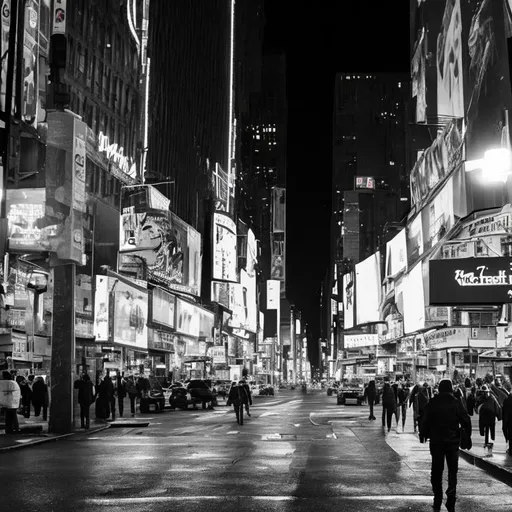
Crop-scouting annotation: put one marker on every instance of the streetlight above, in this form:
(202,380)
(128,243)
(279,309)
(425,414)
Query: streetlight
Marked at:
(496,164)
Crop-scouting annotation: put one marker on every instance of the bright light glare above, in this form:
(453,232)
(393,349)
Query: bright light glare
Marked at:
(497,164)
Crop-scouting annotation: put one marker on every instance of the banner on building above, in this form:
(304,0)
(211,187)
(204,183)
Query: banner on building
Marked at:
(349,300)
(273,294)
(187,318)
(368,289)
(59,17)
(101,308)
(396,254)
(461,337)
(163,307)
(65,190)
(414,234)
(30,63)
(471,281)
(360,340)
(130,314)
(224,248)
(278,264)
(413,300)
(278,210)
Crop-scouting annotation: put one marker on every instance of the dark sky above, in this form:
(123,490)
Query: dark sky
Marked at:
(321,38)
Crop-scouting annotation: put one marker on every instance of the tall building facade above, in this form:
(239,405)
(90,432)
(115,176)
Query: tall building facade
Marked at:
(262,202)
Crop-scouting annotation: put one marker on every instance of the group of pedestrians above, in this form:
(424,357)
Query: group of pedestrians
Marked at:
(240,397)
(19,395)
(442,415)
(108,395)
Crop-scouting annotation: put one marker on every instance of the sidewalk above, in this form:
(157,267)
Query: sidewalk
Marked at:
(407,443)
(34,430)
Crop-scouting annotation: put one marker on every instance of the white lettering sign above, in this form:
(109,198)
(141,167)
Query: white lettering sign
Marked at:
(480,279)
(115,153)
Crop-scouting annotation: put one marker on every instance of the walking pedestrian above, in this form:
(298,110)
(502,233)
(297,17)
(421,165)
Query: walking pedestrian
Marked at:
(370,395)
(247,396)
(10,396)
(420,396)
(86,397)
(40,397)
(236,398)
(402,398)
(105,397)
(131,389)
(388,405)
(507,422)
(121,393)
(488,411)
(26,395)
(441,422)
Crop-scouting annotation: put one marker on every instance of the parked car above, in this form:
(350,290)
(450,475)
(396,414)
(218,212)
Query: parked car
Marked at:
(179,397)
(152,400)
(351,392)
(201,392)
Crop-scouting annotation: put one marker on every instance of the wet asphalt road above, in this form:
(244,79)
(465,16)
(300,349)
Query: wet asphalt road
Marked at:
(296,453)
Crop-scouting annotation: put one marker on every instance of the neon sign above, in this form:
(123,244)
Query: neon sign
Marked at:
(115,153)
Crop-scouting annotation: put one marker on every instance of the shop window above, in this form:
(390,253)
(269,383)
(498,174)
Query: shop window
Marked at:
(506,246)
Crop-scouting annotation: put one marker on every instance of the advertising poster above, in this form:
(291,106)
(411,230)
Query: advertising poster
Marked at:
(278,210)
(252,253)
(30,61)
(273,294)
(68,240)
(79,165)
(418,78)
(437,216)
(224,248)
(396,254)
(170,248)
(218,354)
(101,309)
(414,234)
(163,310)
(360,340)
(248,284)
(470,281)
(25,217)
(187,318)
(277,268)
(59,17)
(4,50)
(368,289)
(206,323)
(348,299)
(437,162)
(488,81)
(450,91)
(413,300)
(130,315)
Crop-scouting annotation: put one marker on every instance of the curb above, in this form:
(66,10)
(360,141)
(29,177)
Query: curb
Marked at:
(52,438)
(498,472)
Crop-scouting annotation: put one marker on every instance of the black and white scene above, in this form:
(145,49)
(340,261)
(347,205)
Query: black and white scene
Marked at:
(255,256)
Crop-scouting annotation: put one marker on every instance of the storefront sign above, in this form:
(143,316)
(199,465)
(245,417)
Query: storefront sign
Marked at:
(471,281)
(360,340)
(161,340)
(461,337)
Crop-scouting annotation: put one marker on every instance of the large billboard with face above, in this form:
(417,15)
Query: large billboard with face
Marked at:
(349,299)
(170,248)
(471,281)
(224,248)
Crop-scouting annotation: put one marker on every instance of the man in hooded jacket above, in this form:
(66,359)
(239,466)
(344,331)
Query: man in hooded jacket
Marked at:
(441,422)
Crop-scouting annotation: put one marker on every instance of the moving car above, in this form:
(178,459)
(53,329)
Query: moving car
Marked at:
(351,391)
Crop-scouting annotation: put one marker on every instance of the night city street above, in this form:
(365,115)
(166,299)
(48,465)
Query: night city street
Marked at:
(296,452)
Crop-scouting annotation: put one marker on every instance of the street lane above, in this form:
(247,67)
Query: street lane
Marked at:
(296,453)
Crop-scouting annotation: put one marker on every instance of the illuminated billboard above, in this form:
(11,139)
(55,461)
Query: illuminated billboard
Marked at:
(364,182)
(224,248)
